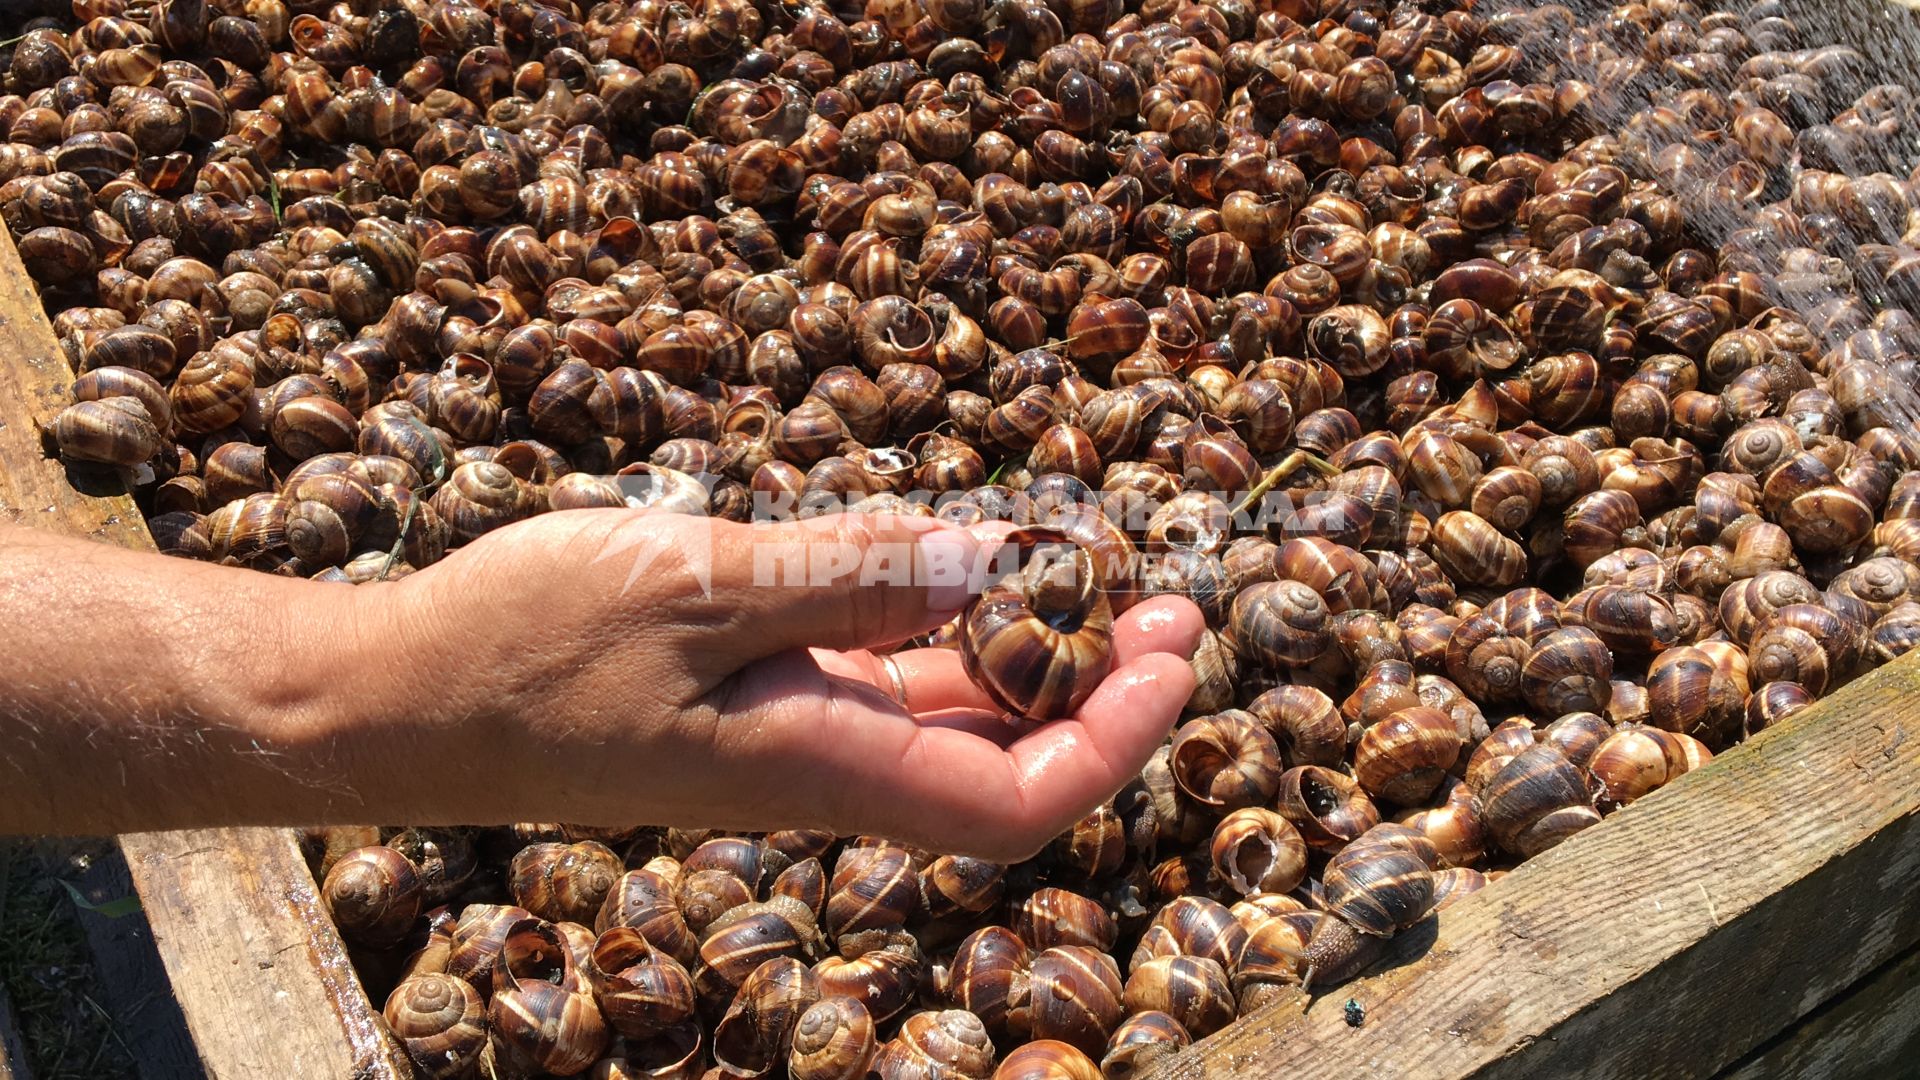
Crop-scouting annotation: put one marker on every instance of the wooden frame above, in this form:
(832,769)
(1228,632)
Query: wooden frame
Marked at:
(1677,937)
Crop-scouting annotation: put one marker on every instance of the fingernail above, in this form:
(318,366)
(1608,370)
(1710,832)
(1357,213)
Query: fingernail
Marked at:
(947,558)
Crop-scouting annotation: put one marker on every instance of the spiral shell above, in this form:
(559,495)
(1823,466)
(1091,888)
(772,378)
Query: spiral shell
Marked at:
(441,1021)
(1039,642)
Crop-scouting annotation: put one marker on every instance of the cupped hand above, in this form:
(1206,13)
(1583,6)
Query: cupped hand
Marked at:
(618,667)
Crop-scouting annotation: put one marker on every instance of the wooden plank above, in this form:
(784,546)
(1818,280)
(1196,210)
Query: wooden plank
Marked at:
(13,1052)
(1871,1030)
(133,985)
(1667,941)
(245,936)
(260,975)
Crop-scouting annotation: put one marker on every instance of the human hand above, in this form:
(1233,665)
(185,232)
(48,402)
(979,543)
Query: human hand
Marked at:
(578,670)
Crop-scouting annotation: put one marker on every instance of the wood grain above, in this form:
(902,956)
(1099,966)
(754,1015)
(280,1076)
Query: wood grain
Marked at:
(1667,941)
(1871,1030)
(13,1052)
(245,936)
(132,982)
(260,975)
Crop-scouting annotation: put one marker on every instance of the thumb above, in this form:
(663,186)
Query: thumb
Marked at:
(843,581)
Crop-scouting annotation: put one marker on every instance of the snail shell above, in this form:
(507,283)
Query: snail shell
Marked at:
(1191,989)
(374,896)
(1227,760)
(1535,801)
(1144,1039)
(757,1031)
(832,1040)
(1074,997)
(1257,851)
(1046,1060)
(1041,640)
(543,1018)
(988,976)
(1378,885)
(951,1043)
(642,991)
(563,882)
(441,1022)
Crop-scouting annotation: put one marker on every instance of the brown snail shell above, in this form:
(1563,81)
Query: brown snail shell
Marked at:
(563,882)
(1404,757)
(1257,851)
(542,1016)
(112,431)
(641,990)
(1191,989)
(988,976)
(1227,760)
(951,1042)
(756,1034)
(1074,997)
(1040,641)
(832,1040)
(374,895)
(441,1021)
(1378,888)
(1328,808)
(1535,801)
(1046,1060)
(1144,1039)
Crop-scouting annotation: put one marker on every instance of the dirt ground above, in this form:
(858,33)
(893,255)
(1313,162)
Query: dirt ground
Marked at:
(46,969)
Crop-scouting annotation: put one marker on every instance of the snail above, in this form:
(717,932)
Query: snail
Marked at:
(1039,641)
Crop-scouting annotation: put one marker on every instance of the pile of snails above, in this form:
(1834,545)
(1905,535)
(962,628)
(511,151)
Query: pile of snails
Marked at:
(1523,398)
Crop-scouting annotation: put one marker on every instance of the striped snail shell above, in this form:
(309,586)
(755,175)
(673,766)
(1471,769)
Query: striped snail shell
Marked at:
(1227,760)
(1329,808)
(441,1021)
(1074,997)
(1569,670)
(1379,885)
(374,896)
(882,968)
(642,991)
(740,941)
(543,1016)
(1636,761)
(988,975)
(1454,882)
(1039,641)
(1404,757)
(1535,801)
(563,882)
(478,936)
(832,1040)
(117,430)
(1191,989)
(872,888)
(1257,851)
(1142,1040)
(1192,926)
(951,1042)
(1046,1060)
(756,1033)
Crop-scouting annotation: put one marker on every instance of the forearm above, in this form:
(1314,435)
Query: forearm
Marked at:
(148,693)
